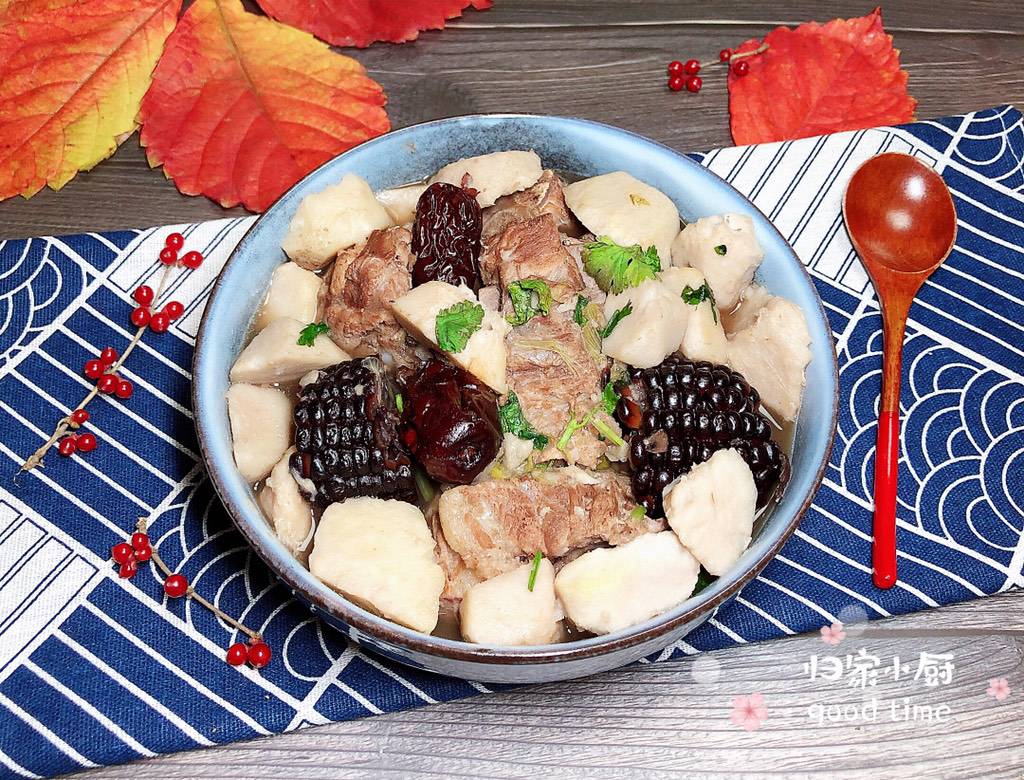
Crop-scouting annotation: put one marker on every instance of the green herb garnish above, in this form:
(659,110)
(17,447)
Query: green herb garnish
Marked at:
(698,296)
(457,323)
(616,268)
(703,580)
(537,557)
(513,421)
(638,514)
(721,249)
(581,304)
(399,402)
(609,398)
(309,333)
(625,311)
(530,297)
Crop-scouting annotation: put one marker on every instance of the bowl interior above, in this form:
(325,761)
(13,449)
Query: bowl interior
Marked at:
(576,147)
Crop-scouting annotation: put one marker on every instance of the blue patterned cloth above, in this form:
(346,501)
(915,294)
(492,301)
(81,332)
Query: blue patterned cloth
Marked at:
(97,670)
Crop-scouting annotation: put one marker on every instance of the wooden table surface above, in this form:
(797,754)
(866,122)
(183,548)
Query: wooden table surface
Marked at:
(605,61)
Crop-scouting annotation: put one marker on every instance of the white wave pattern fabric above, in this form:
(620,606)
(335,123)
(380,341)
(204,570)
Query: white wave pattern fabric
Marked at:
(97,670)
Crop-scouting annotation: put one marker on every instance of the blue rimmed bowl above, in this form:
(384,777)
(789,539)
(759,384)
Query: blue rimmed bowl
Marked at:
(577,148)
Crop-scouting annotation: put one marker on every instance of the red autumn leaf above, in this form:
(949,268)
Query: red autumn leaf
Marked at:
(818,79)
(72,76)
(361,22)
(242,107)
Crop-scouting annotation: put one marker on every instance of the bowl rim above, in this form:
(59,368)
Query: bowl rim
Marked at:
(325,600)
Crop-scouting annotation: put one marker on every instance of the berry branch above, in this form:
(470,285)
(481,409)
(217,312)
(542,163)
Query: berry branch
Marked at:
(684,74)
(105,368)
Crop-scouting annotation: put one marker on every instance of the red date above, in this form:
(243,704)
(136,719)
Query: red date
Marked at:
(450,422)
(446,236)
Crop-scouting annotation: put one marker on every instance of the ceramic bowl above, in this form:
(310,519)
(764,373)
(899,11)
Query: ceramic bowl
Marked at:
(574,147)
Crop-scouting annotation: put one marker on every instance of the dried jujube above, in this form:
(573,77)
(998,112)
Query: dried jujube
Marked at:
(446,236)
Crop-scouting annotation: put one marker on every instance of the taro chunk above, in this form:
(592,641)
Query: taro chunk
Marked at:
(289,513)
(609,589)
(326,222)
(493,175)
(400,202)
(626,210)
(484,353)
(380,554)
(652,330)
(711,509)
(704,336)
(261,428)
(772,354)
(504,611)
(294,292)
(725,250)
(275,354)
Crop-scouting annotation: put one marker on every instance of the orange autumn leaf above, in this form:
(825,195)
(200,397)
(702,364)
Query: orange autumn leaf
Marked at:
(361,22)
(818,79)
(72,76)
(242,107)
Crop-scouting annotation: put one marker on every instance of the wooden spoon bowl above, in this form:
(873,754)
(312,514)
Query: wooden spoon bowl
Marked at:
(902,222)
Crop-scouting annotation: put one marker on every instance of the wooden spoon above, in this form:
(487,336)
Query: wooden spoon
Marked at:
(902,223)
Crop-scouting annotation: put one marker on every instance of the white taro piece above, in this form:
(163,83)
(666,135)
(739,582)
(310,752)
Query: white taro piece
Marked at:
(275,355)
(380,554)
(290,515)
(261,428)
(711,509)
(626,210)
(504,611)
(609,589)
(337,217)
(493,175)
(652,330)
(725,249)
(294,292)
(704,336)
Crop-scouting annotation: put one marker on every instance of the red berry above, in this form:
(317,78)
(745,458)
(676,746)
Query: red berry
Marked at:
(259,654)
(140,540)
(68,445)
(675,68)
(238,654)
(691,68)
(174,310)
(93,369)
(724,55)
(676,83)
(176,586)
(108,356)
(175,241)
(143,554)
(168,256)
(79,416)
(143,294)
(192,260)
(159,322)
(86,442)
(122,553)
(124,389)
(140,317)
(108,383)
(741,68)
(694,83)
(128,569)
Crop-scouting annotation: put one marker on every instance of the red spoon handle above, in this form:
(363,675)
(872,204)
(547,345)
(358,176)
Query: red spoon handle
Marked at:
(887,459)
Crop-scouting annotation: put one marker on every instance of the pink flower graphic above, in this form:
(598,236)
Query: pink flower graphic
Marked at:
(749,712)
(833,634)
(998,689)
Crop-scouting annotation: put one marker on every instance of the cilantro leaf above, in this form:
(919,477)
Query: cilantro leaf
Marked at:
(537,558)
(616,268)
(581,304)
(609,398)
(625,311)
(514,421)
(309,333)
(638,513)
(457,323)
(698,296)
(522,295)
(721,249)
